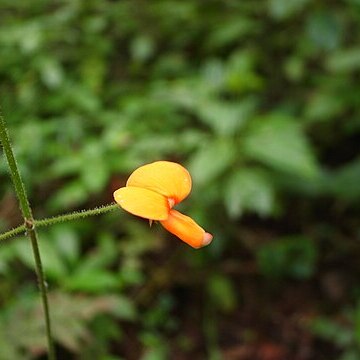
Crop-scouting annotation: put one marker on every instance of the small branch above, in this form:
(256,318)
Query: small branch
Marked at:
(60,218)
(76,215)
(13,232)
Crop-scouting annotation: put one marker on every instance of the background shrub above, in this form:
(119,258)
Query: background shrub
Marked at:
(259,99)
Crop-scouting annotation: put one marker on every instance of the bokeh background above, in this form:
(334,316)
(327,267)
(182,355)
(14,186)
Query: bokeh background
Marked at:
(260,101)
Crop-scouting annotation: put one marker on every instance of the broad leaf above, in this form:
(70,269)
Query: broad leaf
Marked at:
(280,143)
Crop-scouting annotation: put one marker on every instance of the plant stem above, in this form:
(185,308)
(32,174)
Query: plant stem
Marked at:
(14,172)
(43,290)
(60,218)
(30,227)
(75,215)
(15,231)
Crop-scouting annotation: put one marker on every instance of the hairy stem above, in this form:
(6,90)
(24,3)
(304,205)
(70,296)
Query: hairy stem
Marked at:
(13,232)
(76,215)
(30,229)
(60,218)
(43,289)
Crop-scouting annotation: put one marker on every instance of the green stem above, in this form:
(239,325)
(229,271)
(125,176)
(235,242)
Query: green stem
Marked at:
(43,290)
(60,218)
(30,227)
(14,171)
(75,215)
(15,231)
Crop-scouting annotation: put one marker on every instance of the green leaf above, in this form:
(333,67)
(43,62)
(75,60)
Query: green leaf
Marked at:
(105,253)
(51,72)
(282,9)
(249,189)
(350,354)
(279,142)
(97,281)
(294,68)
(242,74)
(71,194)
(231,31)
(332,331)
(344,61)
(68,164)
(53,264)
(324,106)
(226,118)
(211,160)
(8,348)
(345,181)
(94,171)
(156,348)
(93,70)
(324,30)
(142,48)
(66,241)
(7,254)
(123,308)
(22,329)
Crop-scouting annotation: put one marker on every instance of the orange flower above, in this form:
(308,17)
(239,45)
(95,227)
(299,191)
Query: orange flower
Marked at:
(151,192)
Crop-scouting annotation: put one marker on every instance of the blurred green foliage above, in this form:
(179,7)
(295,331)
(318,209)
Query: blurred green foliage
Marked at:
(259,99)
(294,256)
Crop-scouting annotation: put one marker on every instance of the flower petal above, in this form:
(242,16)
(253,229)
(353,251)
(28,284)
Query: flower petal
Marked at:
(186,229)
(164,177)
(142,202)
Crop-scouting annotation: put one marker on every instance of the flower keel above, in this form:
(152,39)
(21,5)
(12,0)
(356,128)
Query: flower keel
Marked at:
(186,229)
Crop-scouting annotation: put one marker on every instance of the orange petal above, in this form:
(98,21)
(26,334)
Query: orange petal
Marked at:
(185,228)
(164,177)
(142,202)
